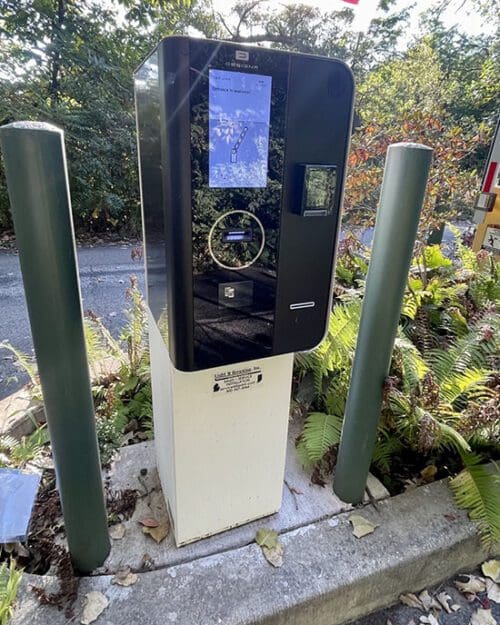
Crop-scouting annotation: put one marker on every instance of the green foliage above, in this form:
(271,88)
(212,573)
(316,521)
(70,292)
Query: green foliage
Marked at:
(28,365)
(123,399)
(409,362)
(71,63)
(485,285)
(477,489)
(474,351)
(126,402)
(426,410)
(440,399)
(410,98)
(10,578)
(29,449)
(335,351)
(386,447)
(321,431)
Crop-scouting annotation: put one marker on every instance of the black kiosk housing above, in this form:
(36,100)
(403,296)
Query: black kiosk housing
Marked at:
(242,155)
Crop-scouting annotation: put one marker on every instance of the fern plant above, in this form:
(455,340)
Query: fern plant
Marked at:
(441,400)
(321,432)
(427,410)
(128,398)
(335,352)
(30,448)
(28,365)
(124,397)
(477,489)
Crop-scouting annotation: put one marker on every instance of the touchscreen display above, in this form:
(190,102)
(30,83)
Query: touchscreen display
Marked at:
(239,108)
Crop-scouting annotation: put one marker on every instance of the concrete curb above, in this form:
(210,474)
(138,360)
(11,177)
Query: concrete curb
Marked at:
(19,413)
(328,576)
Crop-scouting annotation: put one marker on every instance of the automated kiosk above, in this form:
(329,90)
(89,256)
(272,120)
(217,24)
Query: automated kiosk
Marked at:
(242,155)
(487,208)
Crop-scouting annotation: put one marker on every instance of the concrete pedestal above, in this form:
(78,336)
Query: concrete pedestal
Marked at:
(220,438)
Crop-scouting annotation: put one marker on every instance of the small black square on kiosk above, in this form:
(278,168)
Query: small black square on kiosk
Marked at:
(318,190)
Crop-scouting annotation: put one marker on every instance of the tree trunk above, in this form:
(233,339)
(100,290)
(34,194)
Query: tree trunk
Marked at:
(55,61)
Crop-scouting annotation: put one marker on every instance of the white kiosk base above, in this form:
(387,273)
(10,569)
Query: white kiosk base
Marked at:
(220,437)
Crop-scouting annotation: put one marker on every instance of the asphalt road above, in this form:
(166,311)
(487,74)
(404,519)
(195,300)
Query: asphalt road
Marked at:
(400,614)
(104,277)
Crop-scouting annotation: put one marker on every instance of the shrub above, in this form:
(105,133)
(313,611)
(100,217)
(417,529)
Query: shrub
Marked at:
(441,398)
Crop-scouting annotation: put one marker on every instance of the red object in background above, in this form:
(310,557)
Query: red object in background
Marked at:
(352,1)
(489,176)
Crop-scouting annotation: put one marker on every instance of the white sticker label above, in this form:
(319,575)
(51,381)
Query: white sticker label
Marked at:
(491,240)
(237,379)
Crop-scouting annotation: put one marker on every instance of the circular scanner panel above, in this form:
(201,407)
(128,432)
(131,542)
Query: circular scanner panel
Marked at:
(236,240)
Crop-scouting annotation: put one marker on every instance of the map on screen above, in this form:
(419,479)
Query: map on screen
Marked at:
(239,108)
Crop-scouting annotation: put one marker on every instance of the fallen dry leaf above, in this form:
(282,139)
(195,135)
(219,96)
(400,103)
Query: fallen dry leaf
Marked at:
(158,532)
(483,617)
(93,606)
(124,577)
(444,599)
(428,602)
(411,484)
(429,473)
(429,619)
(266,538)
(493,590)
(473,585)
(148,564)
(274,555)
(117,532)
(149,522)
(361,526)
(411,600)
(491,569)
(455,607)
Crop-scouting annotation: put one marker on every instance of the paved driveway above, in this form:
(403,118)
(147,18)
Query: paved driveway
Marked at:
(104,276)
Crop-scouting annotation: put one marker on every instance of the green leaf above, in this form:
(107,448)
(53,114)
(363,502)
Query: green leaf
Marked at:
(321,432)
(477,490)
(10,578)
(434,258)
(266,538)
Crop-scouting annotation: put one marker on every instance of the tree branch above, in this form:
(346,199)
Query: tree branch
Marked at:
(245,13)
(265,37)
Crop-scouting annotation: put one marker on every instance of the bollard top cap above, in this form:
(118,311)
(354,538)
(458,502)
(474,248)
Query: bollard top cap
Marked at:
(410,146)
(30,125)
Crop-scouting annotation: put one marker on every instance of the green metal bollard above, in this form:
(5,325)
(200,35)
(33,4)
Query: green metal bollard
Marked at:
(35,167)
(403,189)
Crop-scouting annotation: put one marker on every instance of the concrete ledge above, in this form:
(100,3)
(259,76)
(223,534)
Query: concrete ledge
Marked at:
(19,414)
(328,576)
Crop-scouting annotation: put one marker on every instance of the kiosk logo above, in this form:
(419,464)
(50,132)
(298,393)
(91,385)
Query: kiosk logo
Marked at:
(242,55)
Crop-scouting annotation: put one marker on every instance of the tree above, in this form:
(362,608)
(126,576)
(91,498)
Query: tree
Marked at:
(71,63)
(409,99)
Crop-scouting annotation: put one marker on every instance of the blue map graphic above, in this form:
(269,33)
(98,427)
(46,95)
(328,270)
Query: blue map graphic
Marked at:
(239,109)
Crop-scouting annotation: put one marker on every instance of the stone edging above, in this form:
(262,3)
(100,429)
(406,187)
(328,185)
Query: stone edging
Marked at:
(328,576)
(19,414)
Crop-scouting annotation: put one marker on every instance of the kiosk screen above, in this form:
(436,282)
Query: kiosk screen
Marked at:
(239,108)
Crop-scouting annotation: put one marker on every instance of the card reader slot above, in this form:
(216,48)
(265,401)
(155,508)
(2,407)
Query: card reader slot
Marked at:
(237,235)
